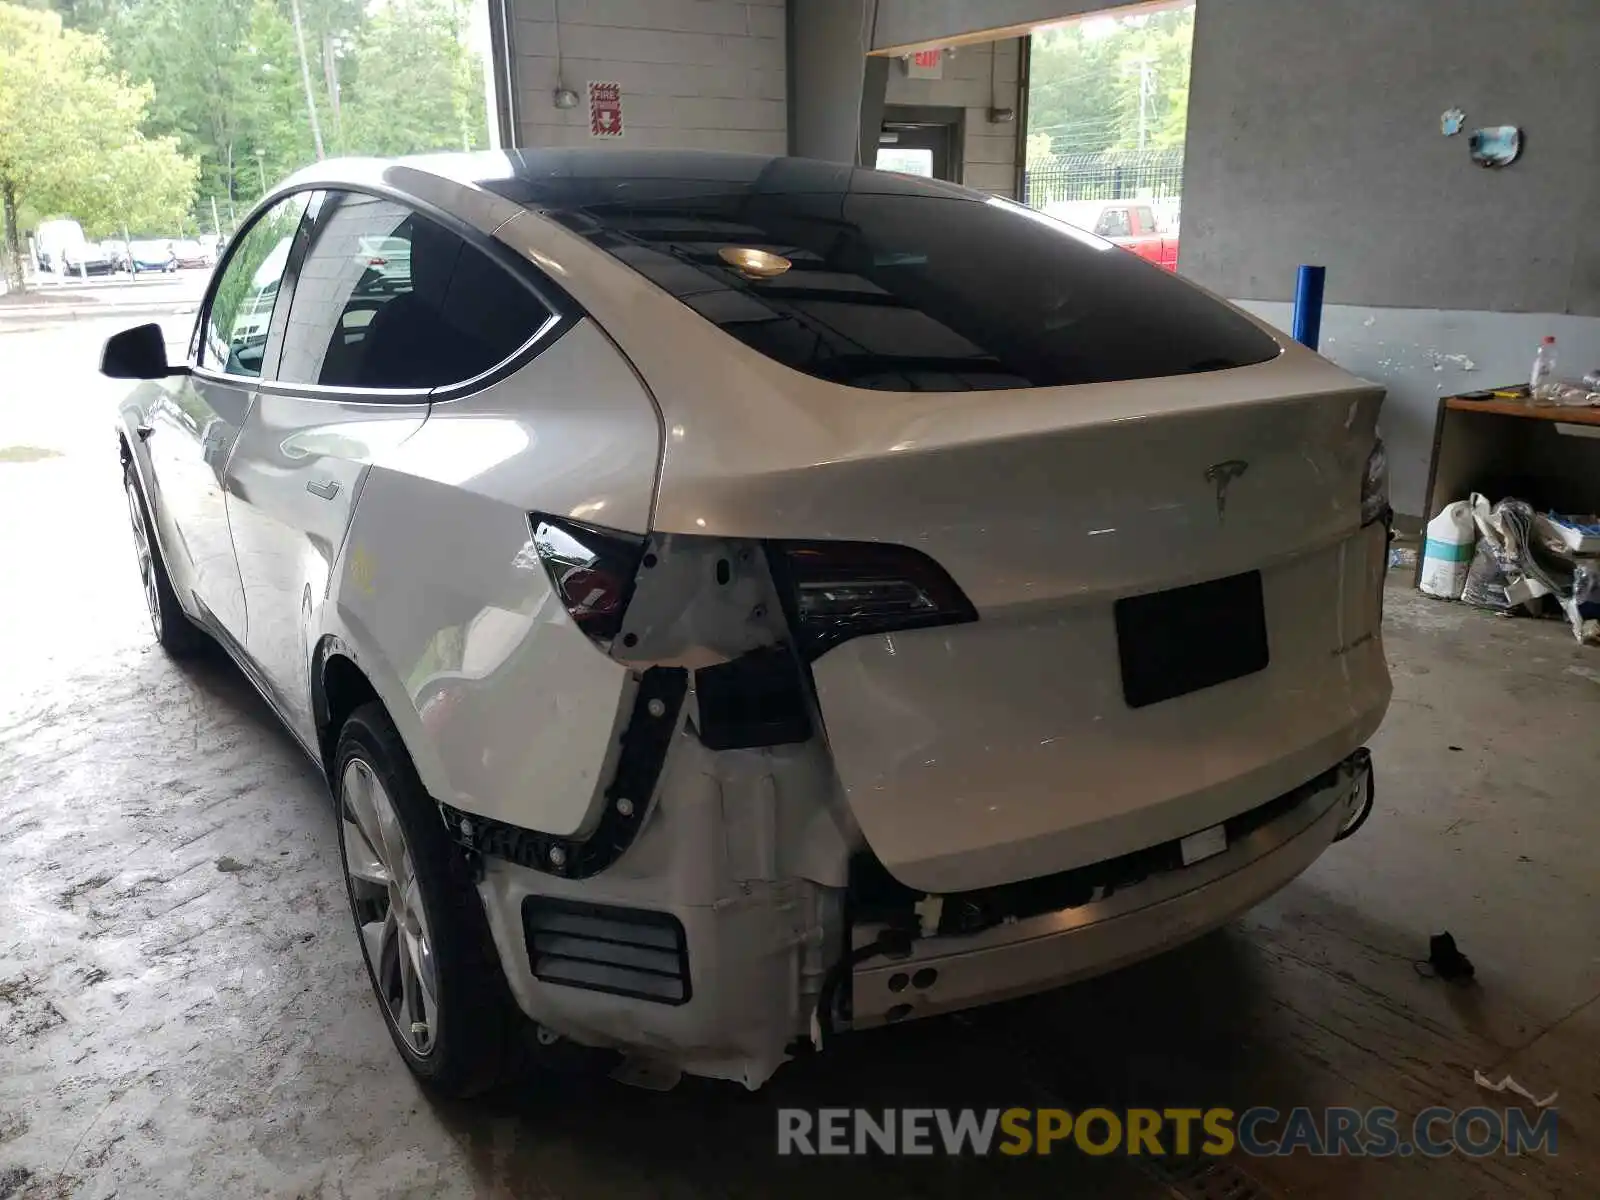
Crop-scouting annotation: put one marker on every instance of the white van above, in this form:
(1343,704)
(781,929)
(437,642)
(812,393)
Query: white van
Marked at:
(62,248)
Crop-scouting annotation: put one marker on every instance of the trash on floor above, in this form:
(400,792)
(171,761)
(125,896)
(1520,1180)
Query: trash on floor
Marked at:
(1495,577)
(1448,551)
(1526,563)
(1508,1084)
(1402,557)
(1581,535)
(1446,962)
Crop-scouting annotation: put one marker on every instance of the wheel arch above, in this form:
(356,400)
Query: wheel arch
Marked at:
(133,453)
(338,688)
(344,676)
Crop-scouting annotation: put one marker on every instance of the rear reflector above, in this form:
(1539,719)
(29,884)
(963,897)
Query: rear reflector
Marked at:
(605,948)
(836,591)
(592,570)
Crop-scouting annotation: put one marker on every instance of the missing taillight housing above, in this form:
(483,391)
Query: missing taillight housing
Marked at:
(835,591)
(591,569)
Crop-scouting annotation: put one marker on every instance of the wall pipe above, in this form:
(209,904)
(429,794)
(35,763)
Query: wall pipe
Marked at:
(1307,328)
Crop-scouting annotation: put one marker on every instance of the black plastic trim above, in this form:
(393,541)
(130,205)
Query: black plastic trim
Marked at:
(645,742)
(532,906)
(758,699)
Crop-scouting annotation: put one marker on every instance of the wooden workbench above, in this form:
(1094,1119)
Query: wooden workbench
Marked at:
(1548,456)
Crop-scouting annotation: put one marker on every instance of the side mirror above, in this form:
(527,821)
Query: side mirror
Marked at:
(137,353)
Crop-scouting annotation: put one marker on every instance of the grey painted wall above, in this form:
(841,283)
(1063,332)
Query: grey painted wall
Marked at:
(1314,137)
(828,77)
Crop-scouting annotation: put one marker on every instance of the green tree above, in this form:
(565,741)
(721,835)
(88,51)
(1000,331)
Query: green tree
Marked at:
(275,135)
(417,86)
(146,185)
(1072,91)
(1094,83)
(387,78)
(332,28)
(89,16)
(70,136)
(194,55)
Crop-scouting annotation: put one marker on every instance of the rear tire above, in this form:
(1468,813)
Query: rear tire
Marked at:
(420,922)
(177,634)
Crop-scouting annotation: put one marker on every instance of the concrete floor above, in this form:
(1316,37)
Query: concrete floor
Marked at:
(183,1010)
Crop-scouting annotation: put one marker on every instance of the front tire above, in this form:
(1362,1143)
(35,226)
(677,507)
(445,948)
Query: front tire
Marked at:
(421,925)
(173,629)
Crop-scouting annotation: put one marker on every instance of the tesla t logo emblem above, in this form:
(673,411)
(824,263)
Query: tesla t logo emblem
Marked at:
(1222,474)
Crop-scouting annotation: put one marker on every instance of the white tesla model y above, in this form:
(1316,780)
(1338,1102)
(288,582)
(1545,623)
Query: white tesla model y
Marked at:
(737,600)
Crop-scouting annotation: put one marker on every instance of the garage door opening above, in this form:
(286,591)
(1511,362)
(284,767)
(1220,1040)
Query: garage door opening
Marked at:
(1108,102)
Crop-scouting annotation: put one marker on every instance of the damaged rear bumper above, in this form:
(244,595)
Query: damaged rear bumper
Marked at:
(946,973)
(683,957)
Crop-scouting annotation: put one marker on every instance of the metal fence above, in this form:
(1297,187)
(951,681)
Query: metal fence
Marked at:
(1113,175)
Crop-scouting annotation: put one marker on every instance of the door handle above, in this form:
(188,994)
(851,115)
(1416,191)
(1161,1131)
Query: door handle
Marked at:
(325,488)
(144,431)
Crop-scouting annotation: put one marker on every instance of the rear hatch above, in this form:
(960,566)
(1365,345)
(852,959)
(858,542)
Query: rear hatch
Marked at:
(1073,435)
(1159,645)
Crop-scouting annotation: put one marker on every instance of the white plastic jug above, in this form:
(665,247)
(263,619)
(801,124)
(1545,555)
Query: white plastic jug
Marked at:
(1447,553)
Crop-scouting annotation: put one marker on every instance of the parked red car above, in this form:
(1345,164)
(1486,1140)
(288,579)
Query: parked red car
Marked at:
(1131,224)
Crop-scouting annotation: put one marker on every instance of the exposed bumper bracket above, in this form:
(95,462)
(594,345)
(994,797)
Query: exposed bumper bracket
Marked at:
(947,973)
(654,721)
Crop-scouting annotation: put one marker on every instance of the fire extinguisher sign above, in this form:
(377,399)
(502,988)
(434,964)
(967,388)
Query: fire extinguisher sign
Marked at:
(605,110)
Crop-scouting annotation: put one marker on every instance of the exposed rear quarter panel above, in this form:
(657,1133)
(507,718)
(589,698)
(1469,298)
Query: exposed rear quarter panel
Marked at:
(507,708)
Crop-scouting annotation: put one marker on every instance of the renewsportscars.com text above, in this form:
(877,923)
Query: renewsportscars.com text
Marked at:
(1259,1132)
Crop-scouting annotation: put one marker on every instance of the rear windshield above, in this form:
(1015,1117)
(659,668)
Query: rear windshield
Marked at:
(894,283)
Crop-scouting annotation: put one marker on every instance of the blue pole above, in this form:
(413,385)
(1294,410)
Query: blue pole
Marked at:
(1308,305)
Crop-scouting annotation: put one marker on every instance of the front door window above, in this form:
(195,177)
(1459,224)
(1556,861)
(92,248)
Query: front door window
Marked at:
(241,308)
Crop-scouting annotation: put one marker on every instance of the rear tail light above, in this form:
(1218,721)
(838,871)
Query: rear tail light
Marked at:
(592,570)
(831,591)
(835,591)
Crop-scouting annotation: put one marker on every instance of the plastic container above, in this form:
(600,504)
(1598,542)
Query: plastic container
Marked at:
(1447,552)
(1544,366)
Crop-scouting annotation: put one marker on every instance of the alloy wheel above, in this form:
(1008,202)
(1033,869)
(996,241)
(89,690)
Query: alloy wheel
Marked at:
(388,907)
(146,556)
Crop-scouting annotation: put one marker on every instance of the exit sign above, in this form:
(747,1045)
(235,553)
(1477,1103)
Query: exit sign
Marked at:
(926,64)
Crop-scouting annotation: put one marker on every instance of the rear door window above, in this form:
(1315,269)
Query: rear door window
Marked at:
(390,299)
(888,282)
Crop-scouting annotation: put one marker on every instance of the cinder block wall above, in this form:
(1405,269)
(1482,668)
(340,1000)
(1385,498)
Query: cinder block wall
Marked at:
(695,74)
(975,77)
